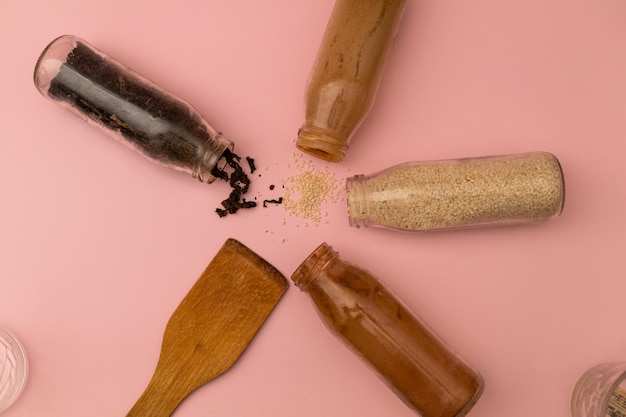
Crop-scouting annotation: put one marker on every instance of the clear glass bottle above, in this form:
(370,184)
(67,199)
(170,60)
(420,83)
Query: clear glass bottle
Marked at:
(346,74)
(13,369)
(420,196)
(129,108)
(600,392)
(414,363)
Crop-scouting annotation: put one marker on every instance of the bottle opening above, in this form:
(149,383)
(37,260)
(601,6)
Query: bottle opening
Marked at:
(358,213)
(311,267)
(321,145)
(213,159)
(562,177)
(14,367)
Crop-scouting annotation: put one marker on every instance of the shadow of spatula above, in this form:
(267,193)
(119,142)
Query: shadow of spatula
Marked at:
(211,327)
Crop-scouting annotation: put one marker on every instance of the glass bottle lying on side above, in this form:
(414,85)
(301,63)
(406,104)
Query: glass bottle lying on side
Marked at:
(414,363)
(346,74)
(600,392)
(13,369)
(129,108)
(420,196)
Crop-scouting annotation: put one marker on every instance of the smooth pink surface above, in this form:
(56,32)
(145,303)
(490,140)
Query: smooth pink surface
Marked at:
(99,246)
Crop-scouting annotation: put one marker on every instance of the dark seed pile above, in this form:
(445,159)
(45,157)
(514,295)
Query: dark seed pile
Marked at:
(238,181)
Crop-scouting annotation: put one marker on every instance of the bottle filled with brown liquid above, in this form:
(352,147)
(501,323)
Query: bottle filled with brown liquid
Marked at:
(346,74)
(429,377)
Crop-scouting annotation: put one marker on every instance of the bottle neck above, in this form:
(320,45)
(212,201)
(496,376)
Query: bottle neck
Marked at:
(319,143)
(210,158)
(358,210)
(310,269)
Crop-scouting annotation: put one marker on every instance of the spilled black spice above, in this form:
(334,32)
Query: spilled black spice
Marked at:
(279,201)
(251,164)
(239,183)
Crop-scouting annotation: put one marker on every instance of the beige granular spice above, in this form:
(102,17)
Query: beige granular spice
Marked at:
(307,191)
(457,193)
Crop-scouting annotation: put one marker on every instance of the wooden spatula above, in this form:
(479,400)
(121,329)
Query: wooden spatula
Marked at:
(211,327)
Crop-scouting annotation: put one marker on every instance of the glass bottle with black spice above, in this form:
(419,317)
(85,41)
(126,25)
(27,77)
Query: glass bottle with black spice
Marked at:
(405,353)
(131,109)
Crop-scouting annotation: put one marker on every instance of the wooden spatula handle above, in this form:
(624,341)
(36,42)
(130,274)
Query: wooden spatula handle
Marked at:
(159,399)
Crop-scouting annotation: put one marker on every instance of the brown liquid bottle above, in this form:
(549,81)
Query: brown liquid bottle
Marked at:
(346,73)
(407,356)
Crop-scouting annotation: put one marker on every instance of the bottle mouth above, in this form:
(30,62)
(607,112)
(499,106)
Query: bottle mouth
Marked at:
(321,145)
(358,210)
(15,369)
(212,159)
(563,189)
(311,267)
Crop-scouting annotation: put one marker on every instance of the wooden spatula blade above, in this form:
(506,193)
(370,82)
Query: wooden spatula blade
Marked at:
(212,326)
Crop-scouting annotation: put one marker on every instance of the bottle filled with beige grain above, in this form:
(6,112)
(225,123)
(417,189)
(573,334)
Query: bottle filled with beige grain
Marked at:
(346,74)
(414,363)
(457,193)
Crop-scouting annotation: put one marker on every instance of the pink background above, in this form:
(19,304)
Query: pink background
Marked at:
(98,246)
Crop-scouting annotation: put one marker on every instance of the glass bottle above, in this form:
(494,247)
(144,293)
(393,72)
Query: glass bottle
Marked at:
(600,392)
(129,108)
(414,363)
(13,369)
(420,196)
(346,73)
